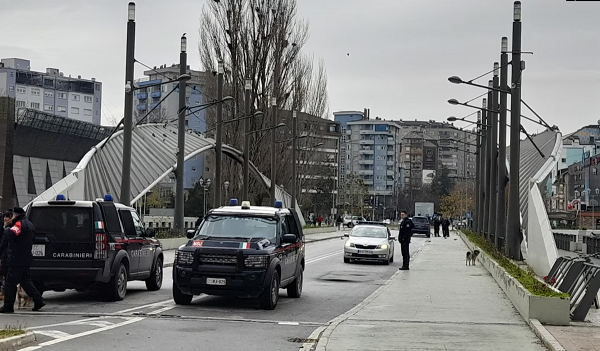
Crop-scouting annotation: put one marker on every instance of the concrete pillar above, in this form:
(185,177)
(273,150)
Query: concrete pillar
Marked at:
(7,131)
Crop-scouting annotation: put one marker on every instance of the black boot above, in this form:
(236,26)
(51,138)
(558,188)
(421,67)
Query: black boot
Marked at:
(6,309)
(38,306)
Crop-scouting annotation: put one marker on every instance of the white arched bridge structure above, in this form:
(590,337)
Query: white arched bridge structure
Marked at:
(153,158)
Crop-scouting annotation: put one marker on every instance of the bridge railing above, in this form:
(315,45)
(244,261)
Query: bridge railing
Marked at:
(563,241)
(592,244)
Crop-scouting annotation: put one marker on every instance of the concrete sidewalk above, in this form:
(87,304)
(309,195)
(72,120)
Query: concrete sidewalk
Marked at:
(440,304)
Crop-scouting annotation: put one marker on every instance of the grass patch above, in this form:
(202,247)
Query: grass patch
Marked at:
(10,331)
(527,278)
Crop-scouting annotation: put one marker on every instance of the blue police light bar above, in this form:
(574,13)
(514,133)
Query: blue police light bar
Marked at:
(60,197)
(108,197)
(233,202)
(278,204)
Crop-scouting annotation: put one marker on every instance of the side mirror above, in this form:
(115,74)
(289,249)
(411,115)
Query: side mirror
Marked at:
(150,232)
(190,233)
(289,239)
(392,238)
(347,235)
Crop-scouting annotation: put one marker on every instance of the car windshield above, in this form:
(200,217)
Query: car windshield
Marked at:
(369,232)
(238,227)
(419,219)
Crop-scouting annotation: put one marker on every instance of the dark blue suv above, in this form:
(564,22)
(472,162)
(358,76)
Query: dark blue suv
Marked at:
(422,225)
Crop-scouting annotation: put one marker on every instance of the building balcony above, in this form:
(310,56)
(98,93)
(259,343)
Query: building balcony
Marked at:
(390,173)
(366,152)
(142,107)
(155,94)
(368,182)
(141,96)
(366,142)
(365,172)
(366,162)
(391,152)
(154,105)
(390,163)
(391,142)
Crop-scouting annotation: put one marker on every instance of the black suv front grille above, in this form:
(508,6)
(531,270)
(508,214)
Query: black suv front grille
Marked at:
(217,259)
(370,247)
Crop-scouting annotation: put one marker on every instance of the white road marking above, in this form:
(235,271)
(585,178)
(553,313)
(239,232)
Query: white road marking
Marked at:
(55,334)
(161,310)
(322,257)
(82,321)
(96,323)
(86,333)
(288,323)
(150,305)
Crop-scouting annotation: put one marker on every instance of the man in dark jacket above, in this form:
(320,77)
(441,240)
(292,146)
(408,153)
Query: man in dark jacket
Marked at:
(436,226)
(446,227)
(406,227)
(18,242)
(7,218)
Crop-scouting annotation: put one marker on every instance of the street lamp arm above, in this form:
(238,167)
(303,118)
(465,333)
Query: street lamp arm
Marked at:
(458,80)
(208,104)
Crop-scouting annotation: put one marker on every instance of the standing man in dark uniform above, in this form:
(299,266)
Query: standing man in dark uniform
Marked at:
(446,227)
(406,227)
(436,226)
(19,240)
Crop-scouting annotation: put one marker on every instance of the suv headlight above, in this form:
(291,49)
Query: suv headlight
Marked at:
(256,261)
(185,258)
(349,244)
(383,246)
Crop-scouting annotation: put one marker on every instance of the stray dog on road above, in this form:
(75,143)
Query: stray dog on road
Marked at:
(22,297)
(471,257)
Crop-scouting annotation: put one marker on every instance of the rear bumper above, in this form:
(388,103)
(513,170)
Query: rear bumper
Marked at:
(66,278)
(247,284)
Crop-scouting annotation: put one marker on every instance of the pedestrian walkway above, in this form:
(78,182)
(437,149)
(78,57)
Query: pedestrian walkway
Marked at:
(440,304)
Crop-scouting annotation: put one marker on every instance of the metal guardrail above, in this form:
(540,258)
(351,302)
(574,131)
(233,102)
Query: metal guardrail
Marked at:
(563,240)
(580,279)
(592,243)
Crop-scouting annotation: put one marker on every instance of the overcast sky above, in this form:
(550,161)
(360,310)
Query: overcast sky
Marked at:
(401,52)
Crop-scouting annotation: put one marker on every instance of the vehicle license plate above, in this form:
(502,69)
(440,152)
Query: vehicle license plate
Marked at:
(365,252)
(215,281)
(38,250)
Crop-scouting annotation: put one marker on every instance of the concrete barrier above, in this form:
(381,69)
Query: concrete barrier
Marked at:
(547,310)
(16,342)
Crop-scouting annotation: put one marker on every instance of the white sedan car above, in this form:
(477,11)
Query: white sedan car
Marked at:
(369,242)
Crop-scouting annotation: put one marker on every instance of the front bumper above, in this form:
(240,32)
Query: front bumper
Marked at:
(366,254)
(246,284)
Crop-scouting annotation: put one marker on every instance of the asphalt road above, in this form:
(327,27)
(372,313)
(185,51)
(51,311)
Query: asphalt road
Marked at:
(151,320)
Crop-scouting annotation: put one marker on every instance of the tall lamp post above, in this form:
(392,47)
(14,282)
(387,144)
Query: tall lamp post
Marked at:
(513,229)
(128,113)
(219,137)
(245,185)
(205,184)
(502,179)
(179,196)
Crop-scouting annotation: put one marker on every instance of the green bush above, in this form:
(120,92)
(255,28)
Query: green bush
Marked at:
(527,278)
(10,331)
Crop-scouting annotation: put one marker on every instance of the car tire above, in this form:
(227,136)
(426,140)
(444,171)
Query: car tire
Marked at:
(179,297)
(346,260)
(294,290)
(154,282)
(117,286)
(268,298)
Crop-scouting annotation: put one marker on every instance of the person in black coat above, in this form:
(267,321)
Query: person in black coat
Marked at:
(436,226)
(446,227)
(406,226)
(7,218)
(18,241)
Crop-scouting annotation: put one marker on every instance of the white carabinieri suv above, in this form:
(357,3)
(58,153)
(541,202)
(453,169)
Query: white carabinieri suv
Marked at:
(370,242)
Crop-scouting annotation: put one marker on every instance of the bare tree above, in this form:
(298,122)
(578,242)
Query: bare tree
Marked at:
(262,41)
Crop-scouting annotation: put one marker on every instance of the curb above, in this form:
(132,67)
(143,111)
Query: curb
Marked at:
(15,342)
(543,334)
(323,333)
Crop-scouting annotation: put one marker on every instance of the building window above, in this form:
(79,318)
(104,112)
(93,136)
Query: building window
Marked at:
(35,92)
(34,105)
(61,108)
(87,112)
(62,96)
(49,94)
(48,107)
(88,99)
(76,97)
(563,160)
(97,100)
(98,86)
(11,88)
(20,103)
(193,169)
(75,110)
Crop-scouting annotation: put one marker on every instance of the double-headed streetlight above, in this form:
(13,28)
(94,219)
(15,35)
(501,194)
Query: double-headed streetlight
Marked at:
(205,184)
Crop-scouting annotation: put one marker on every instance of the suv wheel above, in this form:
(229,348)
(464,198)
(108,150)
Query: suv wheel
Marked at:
(269,297)
(117,286)
(154,282)
(294,290)
(179,297)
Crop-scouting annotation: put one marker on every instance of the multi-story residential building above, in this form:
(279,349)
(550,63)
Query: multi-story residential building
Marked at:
(318,161)
(148,98)
(51,91)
